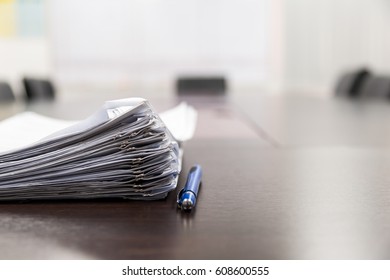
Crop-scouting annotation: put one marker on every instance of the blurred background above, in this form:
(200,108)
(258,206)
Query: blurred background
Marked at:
(278,46)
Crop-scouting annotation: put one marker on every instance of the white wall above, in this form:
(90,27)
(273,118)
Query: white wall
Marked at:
(23,56)
(284,45)
(24,46)
(146,44)
(324,37)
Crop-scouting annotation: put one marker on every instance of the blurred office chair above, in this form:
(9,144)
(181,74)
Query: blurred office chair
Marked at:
(38,89)
(6,93)
(350,83)
(376,87)
(201,85)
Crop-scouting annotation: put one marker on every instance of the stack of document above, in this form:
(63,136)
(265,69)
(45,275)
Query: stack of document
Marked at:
(124,150)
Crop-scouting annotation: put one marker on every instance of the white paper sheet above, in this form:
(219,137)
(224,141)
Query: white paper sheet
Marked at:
(28,127)
(124,150)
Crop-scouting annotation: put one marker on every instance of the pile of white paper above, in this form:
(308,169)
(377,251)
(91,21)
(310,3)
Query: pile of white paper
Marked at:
(123,150)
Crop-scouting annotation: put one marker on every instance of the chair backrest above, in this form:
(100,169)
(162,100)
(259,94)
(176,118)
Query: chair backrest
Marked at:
(201,85)
(6,93)
(350,83)
(376,86)
(38,89)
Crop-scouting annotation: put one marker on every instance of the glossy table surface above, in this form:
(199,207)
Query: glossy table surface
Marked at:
(269,191)
(301,121)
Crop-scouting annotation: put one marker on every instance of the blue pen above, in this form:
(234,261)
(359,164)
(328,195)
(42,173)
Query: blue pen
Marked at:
(186,199)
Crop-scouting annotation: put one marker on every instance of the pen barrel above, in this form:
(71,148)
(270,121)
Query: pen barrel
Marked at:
(193,180)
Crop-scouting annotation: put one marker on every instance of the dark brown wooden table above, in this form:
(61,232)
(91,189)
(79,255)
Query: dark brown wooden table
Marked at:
(302,121)
(259,199)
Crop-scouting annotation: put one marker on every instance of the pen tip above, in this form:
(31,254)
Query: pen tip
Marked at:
(186,204)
